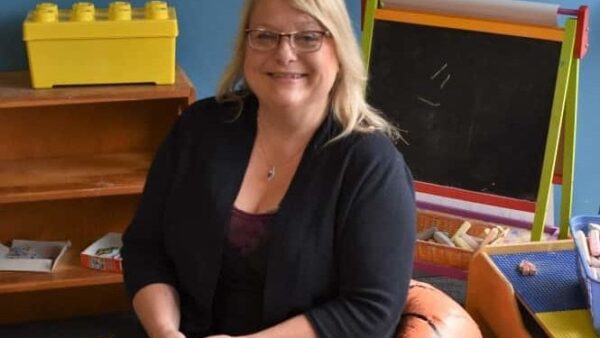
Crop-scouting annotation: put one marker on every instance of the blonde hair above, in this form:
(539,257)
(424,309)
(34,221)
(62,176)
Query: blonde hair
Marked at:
(347,97)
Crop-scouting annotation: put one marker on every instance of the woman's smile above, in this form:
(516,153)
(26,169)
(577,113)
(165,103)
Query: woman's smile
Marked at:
(287,75)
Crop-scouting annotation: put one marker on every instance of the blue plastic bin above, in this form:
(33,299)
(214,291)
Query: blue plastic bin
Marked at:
(590,285)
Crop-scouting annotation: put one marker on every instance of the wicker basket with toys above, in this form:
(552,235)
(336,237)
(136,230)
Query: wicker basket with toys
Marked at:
(450,241)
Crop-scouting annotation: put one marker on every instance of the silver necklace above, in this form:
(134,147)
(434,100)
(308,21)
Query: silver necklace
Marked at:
(271,172)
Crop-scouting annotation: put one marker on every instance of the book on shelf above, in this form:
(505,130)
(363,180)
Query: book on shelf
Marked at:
(34,256)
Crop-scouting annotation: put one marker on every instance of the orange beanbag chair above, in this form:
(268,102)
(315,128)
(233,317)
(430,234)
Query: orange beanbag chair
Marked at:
(431,313)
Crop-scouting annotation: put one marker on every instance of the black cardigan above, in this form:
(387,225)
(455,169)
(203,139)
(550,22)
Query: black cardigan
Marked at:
(341,243)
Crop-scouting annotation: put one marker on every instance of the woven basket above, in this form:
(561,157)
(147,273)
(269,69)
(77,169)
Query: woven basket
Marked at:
(439,254)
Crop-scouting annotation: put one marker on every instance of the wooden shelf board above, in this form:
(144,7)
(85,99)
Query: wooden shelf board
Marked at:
(16,92)
(68,273)
(73,177)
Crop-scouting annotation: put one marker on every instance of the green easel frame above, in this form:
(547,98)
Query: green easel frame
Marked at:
(563,118)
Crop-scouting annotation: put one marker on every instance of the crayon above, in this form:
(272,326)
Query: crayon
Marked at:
(461,243)
(502,232)
(594,262)
(594,242)
(461,230)
(595,273)
(470,240)
(593,226)
(491,236)
(581,241)
(426,234)
(442,238)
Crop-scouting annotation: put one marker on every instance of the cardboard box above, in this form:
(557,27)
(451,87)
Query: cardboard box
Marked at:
(88,45)
(35,256)
(92,258)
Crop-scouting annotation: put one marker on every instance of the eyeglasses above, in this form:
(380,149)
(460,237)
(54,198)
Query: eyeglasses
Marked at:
(302,42)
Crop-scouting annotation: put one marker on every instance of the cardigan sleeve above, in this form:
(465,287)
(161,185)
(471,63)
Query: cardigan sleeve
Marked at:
(144,258)
(374,245)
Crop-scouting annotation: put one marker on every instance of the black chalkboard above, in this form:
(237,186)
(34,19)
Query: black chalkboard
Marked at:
(476,106)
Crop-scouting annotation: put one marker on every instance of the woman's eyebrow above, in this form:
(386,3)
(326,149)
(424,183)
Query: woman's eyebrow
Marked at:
(310,24)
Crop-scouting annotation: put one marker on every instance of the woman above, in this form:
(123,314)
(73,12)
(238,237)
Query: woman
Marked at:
(280,208)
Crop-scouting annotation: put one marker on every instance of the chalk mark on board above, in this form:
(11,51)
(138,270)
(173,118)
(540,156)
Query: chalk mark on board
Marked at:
(433,104)
(444,82)
(402,138)
(439,71)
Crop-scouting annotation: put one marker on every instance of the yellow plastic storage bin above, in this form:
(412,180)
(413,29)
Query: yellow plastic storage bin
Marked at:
(88,45)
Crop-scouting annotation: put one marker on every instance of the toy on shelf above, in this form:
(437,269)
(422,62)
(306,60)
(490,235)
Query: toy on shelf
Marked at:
(89,45)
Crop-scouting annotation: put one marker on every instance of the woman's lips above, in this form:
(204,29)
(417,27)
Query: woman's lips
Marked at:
(286,76)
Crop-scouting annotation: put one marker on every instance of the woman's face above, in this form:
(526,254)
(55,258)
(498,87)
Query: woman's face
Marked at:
(284,78)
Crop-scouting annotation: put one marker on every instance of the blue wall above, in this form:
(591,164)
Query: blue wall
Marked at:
(206,37)
(587,161)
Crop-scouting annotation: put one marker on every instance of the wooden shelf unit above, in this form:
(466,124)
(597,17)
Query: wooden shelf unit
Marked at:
(73,162)
(68,274)
(72,177)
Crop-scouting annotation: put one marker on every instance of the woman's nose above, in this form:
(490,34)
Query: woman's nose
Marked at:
(285,52)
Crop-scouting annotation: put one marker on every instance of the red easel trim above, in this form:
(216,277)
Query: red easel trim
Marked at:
(477,197)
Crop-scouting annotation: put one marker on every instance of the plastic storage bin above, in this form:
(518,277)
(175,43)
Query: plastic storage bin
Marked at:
(88,45)
(590,285)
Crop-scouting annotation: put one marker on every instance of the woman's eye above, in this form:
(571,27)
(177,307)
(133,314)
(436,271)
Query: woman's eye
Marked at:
(307,37)
(266,36)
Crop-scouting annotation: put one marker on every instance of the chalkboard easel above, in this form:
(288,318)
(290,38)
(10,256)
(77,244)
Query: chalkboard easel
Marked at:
(489,107)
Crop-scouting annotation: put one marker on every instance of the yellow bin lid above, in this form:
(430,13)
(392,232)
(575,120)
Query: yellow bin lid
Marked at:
(48,23)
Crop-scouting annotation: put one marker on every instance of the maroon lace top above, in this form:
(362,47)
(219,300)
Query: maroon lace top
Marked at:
(238,302)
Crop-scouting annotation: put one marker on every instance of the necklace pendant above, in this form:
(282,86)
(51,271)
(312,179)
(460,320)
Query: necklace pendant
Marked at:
(271,173)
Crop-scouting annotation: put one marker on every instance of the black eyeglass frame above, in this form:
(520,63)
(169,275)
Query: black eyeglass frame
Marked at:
(323,34)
